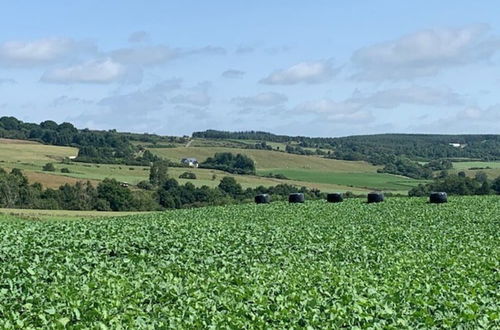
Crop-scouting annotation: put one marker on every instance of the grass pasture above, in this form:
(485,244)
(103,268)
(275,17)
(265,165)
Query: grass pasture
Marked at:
(28,151)
(401,264)
(32,156)
(310,171)
(370,181)
(265,159)
(492,169)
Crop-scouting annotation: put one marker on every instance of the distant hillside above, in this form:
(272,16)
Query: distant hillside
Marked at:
(399,154)
(376,148)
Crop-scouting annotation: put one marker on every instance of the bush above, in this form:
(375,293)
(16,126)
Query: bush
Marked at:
(226,161)
(188,175)
(49,167)
(65,170)
(146,185)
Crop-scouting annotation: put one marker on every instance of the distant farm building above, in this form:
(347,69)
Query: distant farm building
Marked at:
(191,162)
(457,145)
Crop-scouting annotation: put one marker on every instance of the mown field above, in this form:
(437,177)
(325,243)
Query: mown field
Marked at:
(370,181)
(403,263)
(32,167)
(492,169)
(30,157)
(312,171)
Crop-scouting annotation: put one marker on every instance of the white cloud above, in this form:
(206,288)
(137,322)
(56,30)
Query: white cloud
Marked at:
(197,96)
(7,81)
(268,99)
(98,71)
(193,98)
(244,50)
(305,72)
(424,53)
(475,114)
(146,110)
(159,54)
(233,74)
(418,95)
(138,37)
(65,100)
(470,120)
(327,109)
(141,102)
(144,56)
(207,50)
(42,51)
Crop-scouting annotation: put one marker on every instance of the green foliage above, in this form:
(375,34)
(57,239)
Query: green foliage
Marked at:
(49,167)
(188,175)
(119,198)
(65,170)
(406,167)
(226,161)
(230,186)
(158,172)
(439,165)
(402,264)
(456,185)
(376,148)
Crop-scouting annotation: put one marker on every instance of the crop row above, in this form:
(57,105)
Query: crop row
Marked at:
(398,264)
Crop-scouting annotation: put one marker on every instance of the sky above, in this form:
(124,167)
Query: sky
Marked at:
(313,68)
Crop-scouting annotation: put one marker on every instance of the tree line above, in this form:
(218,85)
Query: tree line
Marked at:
(94,146)
(158,193)
(459,184)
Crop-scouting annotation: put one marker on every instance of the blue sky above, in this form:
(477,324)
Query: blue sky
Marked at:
(316,68)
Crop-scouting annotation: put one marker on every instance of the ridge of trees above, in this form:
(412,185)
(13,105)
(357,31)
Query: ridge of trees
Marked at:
(159,193)
(374,148)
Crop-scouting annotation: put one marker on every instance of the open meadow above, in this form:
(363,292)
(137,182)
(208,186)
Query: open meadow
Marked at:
(310,171)
(492,169)
(356,176)
(403,263)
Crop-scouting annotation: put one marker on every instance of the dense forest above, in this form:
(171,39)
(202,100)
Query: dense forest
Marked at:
(371,147)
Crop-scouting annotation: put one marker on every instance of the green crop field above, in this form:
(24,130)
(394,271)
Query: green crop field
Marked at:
(403,263)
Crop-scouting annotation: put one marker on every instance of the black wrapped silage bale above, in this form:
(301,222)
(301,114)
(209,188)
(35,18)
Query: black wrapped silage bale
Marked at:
(296,198)
(334,198)
(262,199)
(375,197)
(438,197)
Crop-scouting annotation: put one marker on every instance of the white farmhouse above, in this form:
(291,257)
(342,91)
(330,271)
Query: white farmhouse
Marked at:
(191,162)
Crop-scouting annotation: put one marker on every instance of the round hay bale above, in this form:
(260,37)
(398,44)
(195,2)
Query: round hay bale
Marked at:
(375,197)
(334,198)
(296,198)
(438,197)
(262,199)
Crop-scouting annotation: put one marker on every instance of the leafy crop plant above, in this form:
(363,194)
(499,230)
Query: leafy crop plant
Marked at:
(400,264)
